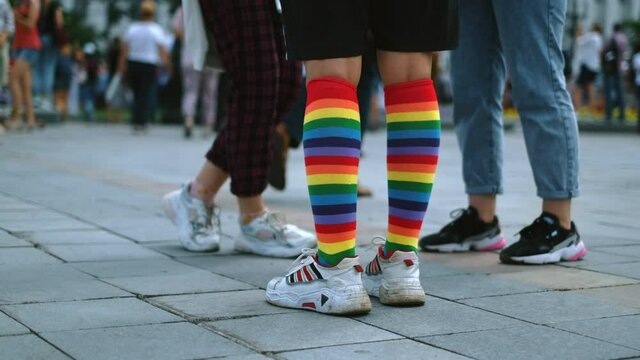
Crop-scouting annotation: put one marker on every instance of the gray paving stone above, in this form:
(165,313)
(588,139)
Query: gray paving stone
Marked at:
(435,317)
(623,330)
(550,307)
(36,215)
(251,269)
(196,281)
(475,285)
(561,278)
(596,257)
(160,231)
(25,256)
(629,270)
(44,225)
(76,315)
(8,240)
(28,347)
(9,326)
(158,341)
(132,268)
(632,251)
(627,295)
(529,342)
(299,330)
(101,252)
(75,237)
(174,249)
(44,283)
(224,305)
(394,349)
(12,205)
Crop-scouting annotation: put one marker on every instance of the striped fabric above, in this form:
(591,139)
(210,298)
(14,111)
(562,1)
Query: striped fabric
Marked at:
(305,274)
(373,268)
(413,139)
(332,151)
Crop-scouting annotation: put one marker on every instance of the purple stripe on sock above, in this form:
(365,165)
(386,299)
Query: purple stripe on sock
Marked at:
(406,214)
(329,151)
(413,150)
(334,219)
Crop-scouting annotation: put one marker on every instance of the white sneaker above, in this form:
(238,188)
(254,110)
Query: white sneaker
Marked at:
(396,280)
(270,235)
(198,225)
(336,290)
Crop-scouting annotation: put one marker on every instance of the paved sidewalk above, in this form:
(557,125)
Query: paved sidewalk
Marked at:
(90,269)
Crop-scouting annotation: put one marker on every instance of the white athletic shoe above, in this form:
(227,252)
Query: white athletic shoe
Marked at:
(198,224)
(270,235)
(336,290)
(395,280)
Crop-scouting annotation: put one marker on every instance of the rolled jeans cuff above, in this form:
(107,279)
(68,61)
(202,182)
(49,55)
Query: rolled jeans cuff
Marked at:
(484,190)
(558,195)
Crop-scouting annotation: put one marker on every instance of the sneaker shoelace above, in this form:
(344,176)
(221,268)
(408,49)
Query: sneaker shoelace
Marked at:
(538,230)
(459,217)
(302,259)
(376,242)
(206,218)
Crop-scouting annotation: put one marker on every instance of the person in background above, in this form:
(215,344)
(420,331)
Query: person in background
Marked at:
(7,28)
(588,47)
(192,81)
(614,66)
(88,81)
(263,83)
(62,84)
(143,49)
(50,24)
(25,47)
(635,66)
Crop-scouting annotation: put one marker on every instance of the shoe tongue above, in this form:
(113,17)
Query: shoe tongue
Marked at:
(472,211)
(549,218)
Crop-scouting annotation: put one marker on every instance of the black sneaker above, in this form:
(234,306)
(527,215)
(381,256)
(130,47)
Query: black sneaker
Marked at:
(466,232)
(545,242)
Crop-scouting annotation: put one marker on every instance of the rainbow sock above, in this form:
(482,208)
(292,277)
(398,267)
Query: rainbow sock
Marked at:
(331,154)
(413,139)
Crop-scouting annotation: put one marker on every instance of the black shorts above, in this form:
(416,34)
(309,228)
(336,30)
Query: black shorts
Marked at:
(586,76)
(326,29)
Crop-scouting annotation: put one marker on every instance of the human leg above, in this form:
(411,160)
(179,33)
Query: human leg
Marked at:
(190,90)
(478,75)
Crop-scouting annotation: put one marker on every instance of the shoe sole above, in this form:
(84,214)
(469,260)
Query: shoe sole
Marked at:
(169,205)
(496,242)
(345,301)
(408,292)
(570,253)
(263,248)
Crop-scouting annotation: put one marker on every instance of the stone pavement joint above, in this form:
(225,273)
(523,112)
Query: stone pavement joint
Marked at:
(90,269)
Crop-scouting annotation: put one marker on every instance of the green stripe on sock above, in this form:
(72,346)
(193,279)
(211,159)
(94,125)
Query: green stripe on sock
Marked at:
(333,189)
(413,125)
(336,258)
(410,186)
(332,122)
(391,246)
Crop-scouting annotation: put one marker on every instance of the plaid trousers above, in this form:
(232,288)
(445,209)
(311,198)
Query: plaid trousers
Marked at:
(263,85)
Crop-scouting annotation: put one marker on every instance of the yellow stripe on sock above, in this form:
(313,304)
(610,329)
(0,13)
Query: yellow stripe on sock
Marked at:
(332,113)
(411,176)
(402,240)
(414,116)
(334,248)
(322,179)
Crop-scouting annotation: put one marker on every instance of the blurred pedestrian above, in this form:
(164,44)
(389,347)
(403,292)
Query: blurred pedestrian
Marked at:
(330,36)
(248,39)
(193,80)
(635,67)
(588,48)
(25,47)
(62,83)
(88,79)
(7,28)
(614,66)
(143,50)
(50,26)
(492,34)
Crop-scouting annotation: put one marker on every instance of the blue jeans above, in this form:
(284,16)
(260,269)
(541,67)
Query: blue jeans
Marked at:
(45,73)
(613,96)
(524,36)
(87,100)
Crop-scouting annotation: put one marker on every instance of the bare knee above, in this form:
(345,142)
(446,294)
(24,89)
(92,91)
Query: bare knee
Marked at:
(344,68)
(399,67)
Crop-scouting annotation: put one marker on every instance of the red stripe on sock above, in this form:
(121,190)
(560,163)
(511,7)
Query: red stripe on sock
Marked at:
(330,88)
(405,223)
(412,159)
(410,92)
(331,160)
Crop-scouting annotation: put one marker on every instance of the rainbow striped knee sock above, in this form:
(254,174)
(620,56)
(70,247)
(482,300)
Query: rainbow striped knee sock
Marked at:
(413,139)
(332,154)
